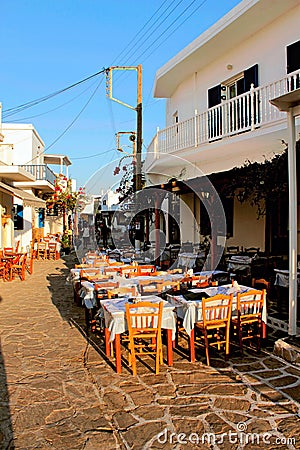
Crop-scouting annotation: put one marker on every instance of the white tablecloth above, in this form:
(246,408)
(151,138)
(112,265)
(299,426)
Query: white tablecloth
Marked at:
(191,310)
(88,294)
(282,278)
(114,315)
(187,260)
(240,262)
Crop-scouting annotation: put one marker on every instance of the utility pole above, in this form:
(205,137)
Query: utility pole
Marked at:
(139,139)
(139,110)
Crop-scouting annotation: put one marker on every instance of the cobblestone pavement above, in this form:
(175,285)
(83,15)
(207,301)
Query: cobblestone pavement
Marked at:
(59,391)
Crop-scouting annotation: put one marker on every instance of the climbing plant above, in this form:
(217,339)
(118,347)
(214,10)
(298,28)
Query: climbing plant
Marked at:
(260,183)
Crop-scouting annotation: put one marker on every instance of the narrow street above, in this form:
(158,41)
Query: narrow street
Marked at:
(59,391)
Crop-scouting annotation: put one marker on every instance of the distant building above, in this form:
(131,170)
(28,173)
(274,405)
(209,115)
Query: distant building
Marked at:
(26,180)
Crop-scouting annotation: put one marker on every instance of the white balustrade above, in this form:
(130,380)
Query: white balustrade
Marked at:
(245,112)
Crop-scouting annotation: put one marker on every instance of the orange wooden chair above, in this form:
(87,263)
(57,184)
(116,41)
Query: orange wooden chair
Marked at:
(144,329)
(19,267)
(29,262)
(51,253)
(248,322)
(215,325)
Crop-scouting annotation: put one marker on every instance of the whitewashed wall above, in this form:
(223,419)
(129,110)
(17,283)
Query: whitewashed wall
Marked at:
(266,48)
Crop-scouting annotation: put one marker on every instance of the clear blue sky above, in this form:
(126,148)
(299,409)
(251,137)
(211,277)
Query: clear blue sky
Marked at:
(47,45)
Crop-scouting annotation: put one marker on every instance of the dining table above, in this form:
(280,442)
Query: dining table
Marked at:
(115,324)
(189,307)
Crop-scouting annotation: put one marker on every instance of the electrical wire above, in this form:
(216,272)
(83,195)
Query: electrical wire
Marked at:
(172,23)
(193,12)
(12,111)
(58,107)
(96,154)
(169,35)
(156,28)
(69,126)
(27,105)
(140,30)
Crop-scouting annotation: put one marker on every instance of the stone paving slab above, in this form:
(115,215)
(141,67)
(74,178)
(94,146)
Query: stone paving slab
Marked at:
(58,390)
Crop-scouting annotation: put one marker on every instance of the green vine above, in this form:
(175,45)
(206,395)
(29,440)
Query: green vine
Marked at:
(260,184)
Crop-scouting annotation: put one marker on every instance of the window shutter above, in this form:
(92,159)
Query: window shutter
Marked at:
(214,96)
(250,76)
(18,217)
(293,57)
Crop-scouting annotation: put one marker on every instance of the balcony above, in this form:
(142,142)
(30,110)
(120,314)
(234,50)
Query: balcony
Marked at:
(226,124)
(44,177)
(15,173)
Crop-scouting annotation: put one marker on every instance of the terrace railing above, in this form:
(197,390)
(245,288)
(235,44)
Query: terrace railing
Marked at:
(41,172)
(240,114)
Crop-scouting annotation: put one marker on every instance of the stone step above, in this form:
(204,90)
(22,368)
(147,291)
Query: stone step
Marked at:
(288,349)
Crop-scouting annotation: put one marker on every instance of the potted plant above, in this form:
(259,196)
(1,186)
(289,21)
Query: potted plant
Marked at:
(65,243)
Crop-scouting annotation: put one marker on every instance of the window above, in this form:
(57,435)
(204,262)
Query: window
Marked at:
(293,63)
(238,114)
(18,217)
(235,86)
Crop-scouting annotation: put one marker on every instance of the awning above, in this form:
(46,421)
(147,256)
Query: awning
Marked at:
(28,199)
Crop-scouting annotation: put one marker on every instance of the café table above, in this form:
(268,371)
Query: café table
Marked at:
(115,325)
(190,311)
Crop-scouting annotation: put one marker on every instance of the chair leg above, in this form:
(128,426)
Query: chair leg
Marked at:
(240,335)
(132,356)
(157,360)
(227,331)
(159,355)
(259,332)
(206,347)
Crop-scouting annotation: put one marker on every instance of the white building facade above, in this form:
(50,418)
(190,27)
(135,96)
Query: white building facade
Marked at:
(25,181)
(218,112)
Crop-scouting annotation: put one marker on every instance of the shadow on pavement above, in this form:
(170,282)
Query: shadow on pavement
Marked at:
(6,430)
(63,299)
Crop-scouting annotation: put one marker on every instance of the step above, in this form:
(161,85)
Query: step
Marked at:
(288,349)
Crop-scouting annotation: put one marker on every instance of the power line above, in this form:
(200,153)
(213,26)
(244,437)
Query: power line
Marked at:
(141,29)
(193,12)
(58,107)
(158,26)
(69,126)
(172,23)
(12,111)
(96,154)
(24,106)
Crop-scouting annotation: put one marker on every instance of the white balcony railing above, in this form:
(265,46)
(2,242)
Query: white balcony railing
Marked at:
(41,172)
(243,113)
